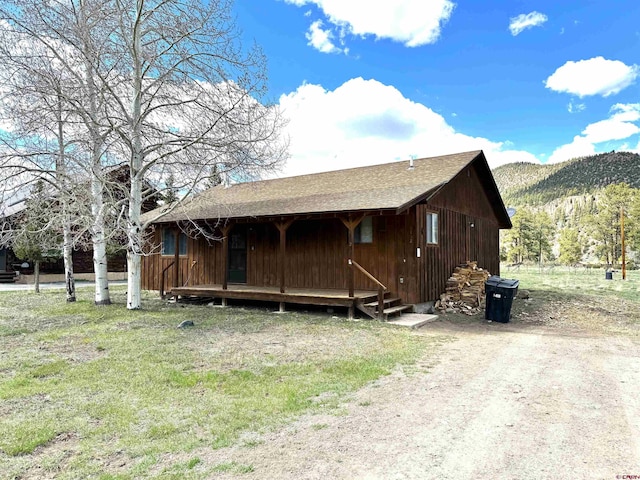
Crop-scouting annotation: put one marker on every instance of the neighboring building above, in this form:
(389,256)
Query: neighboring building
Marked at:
(3,259)
(333,238)
(82,256)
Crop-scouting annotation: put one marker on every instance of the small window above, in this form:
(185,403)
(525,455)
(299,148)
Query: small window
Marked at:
(432,228)
(169,242)
(364,231)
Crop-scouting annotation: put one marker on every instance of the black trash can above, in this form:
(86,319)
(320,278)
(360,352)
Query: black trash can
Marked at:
(608,275)
(500,293)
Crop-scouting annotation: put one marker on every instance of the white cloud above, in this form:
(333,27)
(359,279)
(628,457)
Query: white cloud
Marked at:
(575,107)
(524,21)
(343,128)
(618,126)
(580,147)
(629,112)
(608,130)
(596,76)
(411,22)
(321,39)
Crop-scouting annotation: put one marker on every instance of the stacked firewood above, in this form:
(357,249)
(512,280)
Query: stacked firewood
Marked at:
(464,290)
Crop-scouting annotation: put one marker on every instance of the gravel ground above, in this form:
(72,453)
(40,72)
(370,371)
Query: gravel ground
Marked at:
(517,401)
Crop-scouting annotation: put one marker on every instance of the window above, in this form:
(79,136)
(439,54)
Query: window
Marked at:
(432,228)
(364,231)
(169,242)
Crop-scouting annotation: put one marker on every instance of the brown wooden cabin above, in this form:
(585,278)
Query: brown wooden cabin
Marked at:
(372,238)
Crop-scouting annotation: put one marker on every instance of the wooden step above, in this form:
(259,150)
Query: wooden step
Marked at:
(396,309)
(387,302)
(7,277)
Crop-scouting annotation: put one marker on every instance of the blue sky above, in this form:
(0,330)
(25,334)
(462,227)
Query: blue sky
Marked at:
(366,82)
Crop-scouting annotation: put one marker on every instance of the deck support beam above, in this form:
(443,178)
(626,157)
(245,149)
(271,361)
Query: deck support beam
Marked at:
(225,255)
(282,227)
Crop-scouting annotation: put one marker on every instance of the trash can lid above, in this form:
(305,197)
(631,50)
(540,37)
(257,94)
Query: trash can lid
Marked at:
(508,283)
(498,282)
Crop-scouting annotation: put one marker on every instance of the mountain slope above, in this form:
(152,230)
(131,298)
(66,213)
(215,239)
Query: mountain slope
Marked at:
(531,184)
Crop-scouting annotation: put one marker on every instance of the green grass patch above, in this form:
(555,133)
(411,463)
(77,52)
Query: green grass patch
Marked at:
(232,467)
(49,369)
(133,388)
(576,280)
(24,435)
(578,299)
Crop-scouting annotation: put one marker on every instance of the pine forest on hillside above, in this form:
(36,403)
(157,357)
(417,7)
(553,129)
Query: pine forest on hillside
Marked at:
(571,212)
(530,184)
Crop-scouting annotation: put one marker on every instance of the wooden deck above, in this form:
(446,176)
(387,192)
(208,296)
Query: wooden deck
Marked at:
(303,296)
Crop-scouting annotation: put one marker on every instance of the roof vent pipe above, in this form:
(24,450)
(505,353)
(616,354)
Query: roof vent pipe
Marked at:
(411,159)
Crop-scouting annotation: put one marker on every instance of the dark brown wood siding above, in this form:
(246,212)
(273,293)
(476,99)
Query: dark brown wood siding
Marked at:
(153,264)
(458,241)
(316,257)
(465,194)
(468,230)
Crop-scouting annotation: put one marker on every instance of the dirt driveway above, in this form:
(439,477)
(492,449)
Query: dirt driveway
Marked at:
(503,402)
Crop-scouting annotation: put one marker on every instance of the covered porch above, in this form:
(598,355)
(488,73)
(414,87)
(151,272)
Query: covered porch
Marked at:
(251,263)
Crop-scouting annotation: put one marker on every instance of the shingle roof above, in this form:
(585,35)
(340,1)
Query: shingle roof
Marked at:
(390,186)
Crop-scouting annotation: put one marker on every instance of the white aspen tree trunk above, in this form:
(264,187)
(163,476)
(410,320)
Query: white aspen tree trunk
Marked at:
(134,231)
(69,280)
(134,246)
(36,276)
(134,279)
(99,244)
(98,238)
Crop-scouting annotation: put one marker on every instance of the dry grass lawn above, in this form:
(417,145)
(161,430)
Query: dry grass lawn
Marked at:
(109,393)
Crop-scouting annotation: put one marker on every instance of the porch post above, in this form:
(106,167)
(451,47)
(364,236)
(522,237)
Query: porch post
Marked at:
(351,225)
(282,227)
(351,273)
(225,254)
(176,259)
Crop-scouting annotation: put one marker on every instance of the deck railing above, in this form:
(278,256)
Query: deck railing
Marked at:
(193,264)
(381,287)
(162,278)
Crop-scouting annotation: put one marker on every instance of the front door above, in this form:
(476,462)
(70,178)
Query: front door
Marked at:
(238,256)
(3,259)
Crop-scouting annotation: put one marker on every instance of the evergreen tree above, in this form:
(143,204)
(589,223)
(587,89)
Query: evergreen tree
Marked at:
(570,248)
(559,217)
(632,223)
(215,178)
(519,242)
(604,225)
(542,234)
(35,237)
(170,194)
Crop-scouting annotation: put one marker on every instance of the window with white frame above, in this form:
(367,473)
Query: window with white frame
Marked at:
(432,228)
